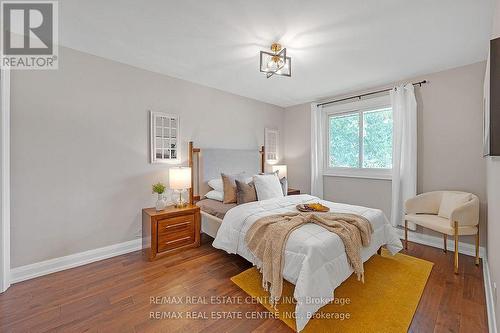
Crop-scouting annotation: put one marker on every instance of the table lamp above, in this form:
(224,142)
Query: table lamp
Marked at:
(180,180)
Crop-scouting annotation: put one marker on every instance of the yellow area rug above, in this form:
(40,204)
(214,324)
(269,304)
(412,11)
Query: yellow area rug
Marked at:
(386,302)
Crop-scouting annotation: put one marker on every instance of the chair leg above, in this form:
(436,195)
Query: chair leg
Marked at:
(445,241)
(477,246)
(406,235)
(455,228)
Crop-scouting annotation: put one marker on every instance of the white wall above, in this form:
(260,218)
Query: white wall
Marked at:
(449,144)
(80,170)
(493,167)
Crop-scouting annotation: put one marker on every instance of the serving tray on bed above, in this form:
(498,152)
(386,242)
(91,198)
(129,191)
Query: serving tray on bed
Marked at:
(316,207)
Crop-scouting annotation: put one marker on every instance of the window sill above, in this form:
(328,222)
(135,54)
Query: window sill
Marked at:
(378,176)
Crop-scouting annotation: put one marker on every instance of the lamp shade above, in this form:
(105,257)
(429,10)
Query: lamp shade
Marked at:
(281,168)
(179,178)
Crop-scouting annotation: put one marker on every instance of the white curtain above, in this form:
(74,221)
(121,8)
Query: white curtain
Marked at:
(404,150)
(316,150)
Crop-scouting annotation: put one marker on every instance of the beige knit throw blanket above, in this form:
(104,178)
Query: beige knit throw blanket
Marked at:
(267,237)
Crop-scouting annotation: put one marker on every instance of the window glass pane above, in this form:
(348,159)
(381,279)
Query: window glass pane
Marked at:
(166,143)
(344,141)
(377,139)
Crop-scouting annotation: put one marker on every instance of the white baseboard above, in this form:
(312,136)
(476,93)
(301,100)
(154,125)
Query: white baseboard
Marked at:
(490,298)
(463,248)
(31,271)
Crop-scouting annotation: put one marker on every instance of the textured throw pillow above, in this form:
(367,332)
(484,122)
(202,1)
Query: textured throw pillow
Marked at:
(229,186)
(284,186)
(215,195)
(450,201)
(245,192)
(267,186)
(216,184)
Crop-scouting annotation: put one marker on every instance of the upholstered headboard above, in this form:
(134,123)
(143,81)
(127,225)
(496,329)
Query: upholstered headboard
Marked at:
(209,163)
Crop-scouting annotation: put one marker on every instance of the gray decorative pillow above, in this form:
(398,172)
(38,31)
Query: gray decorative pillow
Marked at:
(245,192)
(284,186)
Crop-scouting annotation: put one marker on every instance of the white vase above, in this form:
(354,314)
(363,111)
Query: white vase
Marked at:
(161,203)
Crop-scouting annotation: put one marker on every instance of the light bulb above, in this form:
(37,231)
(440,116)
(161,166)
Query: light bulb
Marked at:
(274,63)
(272,66)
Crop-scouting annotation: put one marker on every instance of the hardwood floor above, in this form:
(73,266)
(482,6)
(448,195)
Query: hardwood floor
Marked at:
(114,295)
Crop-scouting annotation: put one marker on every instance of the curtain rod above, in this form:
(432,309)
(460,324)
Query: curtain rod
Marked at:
(367,94)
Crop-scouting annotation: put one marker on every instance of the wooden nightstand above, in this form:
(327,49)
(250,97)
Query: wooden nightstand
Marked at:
(292,191)
(169,230)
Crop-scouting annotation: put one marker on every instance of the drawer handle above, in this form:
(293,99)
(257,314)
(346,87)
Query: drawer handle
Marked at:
(177,225)
(178,240)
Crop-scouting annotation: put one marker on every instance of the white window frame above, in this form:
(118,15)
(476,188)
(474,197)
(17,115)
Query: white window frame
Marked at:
(358,106)
(153,135)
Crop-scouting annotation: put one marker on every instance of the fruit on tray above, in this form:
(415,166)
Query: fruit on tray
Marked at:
(312,207)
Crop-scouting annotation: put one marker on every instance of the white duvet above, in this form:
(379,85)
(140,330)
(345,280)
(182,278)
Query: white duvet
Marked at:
(315,259)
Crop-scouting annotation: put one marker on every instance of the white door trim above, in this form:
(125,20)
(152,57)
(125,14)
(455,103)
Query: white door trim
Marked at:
(5,180)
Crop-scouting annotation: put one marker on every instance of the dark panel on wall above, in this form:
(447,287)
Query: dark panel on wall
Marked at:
(494,97)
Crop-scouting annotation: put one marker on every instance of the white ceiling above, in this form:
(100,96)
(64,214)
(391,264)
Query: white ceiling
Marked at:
(336,46)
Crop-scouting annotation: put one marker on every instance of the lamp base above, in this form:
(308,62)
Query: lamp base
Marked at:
(180,203)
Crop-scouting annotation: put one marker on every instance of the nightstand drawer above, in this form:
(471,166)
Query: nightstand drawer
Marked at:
(165,244)
(178,220)
(168,232)
(175,224)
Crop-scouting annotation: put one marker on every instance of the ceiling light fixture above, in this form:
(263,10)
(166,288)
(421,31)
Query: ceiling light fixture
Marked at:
(275,62)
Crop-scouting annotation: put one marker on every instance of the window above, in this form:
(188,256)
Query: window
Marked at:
(359,139)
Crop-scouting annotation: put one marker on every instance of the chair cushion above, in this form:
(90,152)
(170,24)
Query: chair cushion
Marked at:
(439,224)
(450,201)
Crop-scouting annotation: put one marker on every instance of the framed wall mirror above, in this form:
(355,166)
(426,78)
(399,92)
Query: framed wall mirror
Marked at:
(165,138)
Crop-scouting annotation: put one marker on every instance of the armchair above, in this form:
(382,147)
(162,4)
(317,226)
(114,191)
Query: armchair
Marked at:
(448,212)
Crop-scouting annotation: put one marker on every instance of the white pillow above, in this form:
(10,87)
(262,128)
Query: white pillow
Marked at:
(450,201)
(216,184)
(215,195)
(267,187)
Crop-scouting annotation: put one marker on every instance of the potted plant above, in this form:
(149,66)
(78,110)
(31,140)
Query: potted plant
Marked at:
(161,203)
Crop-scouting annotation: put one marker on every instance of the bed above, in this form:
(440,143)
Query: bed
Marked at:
(212,214)
(315,259)
(209,163)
